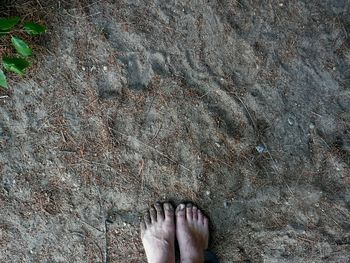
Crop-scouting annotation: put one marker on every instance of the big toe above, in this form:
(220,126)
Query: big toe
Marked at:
(180,212)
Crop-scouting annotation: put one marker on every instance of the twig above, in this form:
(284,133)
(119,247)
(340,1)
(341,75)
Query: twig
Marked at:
(323,140)
(91,225)
(305,239)
(331,218)
(245,107)
(274,162)
(39,4)
(92,162)
(155,136)
(142,174)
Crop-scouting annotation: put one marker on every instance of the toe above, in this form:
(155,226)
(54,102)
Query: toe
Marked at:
(168,211)
(147,219)
(205,222)
(206,230)
(153,215)
(189,213)
(200,216)
(180,212)
(143,228)
(160,212)
(195,213)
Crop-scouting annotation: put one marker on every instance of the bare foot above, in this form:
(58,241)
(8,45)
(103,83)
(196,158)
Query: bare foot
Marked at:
(192,233)
(158,234)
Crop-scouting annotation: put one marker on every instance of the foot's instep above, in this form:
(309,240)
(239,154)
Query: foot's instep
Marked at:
(158,234)
(192,233)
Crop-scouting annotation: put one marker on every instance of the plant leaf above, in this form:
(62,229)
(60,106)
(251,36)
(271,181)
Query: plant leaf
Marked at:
(7,23)
(34,28)
(3,82)
(21,46)
(17,65)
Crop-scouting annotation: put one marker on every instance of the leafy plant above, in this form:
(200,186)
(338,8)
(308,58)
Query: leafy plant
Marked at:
(19,63)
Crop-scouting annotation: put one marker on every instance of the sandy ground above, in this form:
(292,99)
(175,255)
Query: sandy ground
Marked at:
(242,107)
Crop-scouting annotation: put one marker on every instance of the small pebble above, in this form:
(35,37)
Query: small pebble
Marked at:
(207,192)
(105,68)
(261,148)
(290,121)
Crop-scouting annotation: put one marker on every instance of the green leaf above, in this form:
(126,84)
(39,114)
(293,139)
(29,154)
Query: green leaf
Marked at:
(3,82)
(34,28)
(21,46)
(8,23)
(17,65)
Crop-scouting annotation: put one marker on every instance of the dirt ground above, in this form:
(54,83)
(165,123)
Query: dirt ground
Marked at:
(240,106)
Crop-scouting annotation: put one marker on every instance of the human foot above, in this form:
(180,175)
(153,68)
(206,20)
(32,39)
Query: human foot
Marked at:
(158,234)
(192,233)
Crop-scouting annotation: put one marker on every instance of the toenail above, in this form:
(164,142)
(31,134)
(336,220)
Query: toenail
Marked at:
(182,207)
(167,206)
